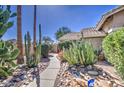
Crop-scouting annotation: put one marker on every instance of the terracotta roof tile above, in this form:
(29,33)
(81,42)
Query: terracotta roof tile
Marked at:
(92,32)
(71,36)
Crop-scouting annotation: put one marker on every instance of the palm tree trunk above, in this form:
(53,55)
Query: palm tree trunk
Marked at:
(19,35)
(34,42)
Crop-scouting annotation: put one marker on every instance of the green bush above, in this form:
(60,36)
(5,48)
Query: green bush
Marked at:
(44,50)
(113,47)
(65,44)
(79,53)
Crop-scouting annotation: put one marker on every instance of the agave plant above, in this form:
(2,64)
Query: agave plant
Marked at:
(8,53)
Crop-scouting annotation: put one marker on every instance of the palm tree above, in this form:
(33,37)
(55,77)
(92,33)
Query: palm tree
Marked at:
(62,31)
(19,35)
(34,37)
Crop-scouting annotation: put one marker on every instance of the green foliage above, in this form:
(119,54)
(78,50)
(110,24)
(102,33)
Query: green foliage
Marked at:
(65,44)
(62,31)
(31,60)
(79,53)
(4,20)
(44,50)
(8,53)
(47,40)
(113,47)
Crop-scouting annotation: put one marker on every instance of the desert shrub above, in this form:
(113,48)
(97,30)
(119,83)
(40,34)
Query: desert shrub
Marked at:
(44,50)
(79,53)
(65,44)
(113,47)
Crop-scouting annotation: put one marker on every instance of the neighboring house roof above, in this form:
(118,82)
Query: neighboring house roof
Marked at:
(71,36)
(107,15)
(92,32)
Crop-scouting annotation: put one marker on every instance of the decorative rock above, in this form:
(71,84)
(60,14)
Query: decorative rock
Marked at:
(73,69)
(1,85)
(82,74)
(17,79)
(94,73)
(22,77)
(26,83)
(115,85)
(83,70)
(104,74)
(90,67)
(110,83)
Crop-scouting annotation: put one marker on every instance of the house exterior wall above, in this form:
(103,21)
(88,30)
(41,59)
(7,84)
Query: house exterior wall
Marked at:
(108,25)
(96,42)
(118,19)
(115,21)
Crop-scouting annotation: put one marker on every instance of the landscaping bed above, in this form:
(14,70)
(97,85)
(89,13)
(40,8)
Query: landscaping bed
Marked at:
(22,76)
(78,76)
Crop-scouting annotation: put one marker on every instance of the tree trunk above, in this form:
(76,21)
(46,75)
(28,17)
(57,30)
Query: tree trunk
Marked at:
(20,59)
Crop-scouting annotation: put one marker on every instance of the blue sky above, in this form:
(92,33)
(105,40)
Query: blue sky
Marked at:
(52,17)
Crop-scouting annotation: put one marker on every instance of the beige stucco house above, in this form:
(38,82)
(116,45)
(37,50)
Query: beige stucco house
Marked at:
(93,36)
(109,22)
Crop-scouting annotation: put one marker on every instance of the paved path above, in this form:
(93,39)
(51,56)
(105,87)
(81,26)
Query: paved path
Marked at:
(47,77)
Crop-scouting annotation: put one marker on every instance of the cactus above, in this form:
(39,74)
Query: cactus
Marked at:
(31,60)
(8,53)
(39,33)
(79,53)
(27,40)
(5,24)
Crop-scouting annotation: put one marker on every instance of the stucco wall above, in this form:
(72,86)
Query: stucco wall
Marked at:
(96,42)
(108,24)
(118,19)
(115,21)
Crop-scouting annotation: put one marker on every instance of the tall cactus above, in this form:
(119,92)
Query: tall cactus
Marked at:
(39,33)
(27,39)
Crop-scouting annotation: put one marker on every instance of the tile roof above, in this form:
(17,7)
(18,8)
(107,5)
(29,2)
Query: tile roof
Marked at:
(92,32)
(71,36)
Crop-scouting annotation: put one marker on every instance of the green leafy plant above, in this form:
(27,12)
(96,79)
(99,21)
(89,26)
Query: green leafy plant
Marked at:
(8,53)
(65,44)
(62,31)
(44,50)
(79,53)
(113,47)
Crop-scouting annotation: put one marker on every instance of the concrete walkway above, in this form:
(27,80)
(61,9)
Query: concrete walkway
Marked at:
(47,77)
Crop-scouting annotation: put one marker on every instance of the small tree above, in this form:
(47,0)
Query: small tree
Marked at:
(62,31)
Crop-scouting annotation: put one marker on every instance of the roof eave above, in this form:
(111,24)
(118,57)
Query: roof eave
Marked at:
(103,19)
